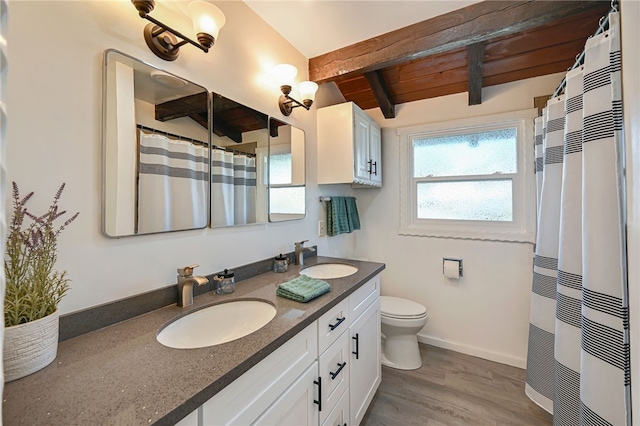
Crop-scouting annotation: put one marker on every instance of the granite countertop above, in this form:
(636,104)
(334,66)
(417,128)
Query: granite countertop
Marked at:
(121,375)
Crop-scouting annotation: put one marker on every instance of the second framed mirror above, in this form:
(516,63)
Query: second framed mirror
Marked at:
(240,140)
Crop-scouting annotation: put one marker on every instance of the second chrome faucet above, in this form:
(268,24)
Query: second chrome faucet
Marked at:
(300,249)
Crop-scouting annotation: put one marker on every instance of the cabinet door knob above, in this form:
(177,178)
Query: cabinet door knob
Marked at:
(340,321)
(340,367)
(319,400)
(357,352)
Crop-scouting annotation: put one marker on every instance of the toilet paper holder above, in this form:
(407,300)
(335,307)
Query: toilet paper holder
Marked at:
(444,259)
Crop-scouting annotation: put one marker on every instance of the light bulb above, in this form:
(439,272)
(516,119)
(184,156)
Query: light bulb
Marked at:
(207,18)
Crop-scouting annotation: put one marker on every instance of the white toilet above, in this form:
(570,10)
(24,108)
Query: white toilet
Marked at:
(401,321)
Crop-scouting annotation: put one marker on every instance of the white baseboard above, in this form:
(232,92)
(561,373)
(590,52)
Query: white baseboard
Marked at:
(474,351)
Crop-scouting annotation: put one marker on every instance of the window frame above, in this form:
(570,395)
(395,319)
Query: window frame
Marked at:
(520,229)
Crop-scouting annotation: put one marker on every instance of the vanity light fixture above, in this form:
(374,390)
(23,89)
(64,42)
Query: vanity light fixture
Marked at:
(163,40)
(286,75)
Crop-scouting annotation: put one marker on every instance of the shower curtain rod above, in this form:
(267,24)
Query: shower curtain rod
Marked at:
(604,21)
(162,132)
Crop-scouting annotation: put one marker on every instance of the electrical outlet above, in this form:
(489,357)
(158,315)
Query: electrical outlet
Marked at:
(322,228)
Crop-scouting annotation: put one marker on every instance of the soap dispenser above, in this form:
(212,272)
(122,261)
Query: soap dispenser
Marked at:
(225,282)
(280,263)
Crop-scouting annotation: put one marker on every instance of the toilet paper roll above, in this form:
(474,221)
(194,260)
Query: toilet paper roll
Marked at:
(452,269)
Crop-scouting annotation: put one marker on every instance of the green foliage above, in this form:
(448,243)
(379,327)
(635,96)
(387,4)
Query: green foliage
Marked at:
(33,287)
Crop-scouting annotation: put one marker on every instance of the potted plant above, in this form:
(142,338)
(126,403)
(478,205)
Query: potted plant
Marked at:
(33,287)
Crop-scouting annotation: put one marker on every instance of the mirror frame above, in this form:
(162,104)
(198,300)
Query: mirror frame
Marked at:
(105,141)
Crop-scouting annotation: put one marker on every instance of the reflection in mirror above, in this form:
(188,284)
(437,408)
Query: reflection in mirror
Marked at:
(286,172)
(156,137)
(238,164)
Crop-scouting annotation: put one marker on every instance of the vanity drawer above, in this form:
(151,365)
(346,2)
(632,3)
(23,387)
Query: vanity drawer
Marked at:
(360,299)
(340,414)
(334,374)
(332,324)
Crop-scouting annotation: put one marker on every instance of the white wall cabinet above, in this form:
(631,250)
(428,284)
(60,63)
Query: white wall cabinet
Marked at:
(349,146)
(325,374)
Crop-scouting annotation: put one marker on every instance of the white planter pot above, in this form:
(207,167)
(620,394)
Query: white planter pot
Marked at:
(30,347)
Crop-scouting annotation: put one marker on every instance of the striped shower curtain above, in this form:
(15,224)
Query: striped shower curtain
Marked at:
(233,188)
(172,184)
(578,357)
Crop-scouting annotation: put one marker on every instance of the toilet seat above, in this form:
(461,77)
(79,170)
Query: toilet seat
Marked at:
(398,308)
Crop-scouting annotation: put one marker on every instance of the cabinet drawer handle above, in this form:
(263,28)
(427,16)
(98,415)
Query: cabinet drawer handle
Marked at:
(375,168)
(340,321)
(319,400)
(357,352)
(340,367)
(369,163)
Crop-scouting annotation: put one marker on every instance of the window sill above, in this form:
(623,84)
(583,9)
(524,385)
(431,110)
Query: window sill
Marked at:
(466,233)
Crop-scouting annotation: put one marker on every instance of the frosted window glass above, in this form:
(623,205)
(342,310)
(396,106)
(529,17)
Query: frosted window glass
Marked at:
(280,169)
(489,200)
(470,154)
(288,200)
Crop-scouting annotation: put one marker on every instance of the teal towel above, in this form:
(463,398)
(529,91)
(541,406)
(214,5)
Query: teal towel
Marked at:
(342,216)
(303,289)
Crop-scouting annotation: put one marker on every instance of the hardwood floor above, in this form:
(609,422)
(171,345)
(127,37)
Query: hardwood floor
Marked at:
(454,389)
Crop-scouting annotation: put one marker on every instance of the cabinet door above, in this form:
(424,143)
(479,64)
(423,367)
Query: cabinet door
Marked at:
(375,152)
(365,361)
(296,406)
(361,147)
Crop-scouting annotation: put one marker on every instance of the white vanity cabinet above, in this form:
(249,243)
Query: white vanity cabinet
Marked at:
(349,146)
(325,375)
(365,372)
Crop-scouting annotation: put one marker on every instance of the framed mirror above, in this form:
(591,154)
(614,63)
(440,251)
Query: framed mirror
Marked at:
(155,149)
(287,174)
(240,146)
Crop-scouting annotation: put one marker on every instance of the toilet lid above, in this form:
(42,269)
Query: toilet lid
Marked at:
(396,307)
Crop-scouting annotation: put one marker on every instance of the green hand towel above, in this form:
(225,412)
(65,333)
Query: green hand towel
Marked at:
(303,289)
(342,216)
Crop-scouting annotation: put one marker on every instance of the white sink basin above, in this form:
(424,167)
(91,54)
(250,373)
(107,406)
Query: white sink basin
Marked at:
(329,270)
(217,324)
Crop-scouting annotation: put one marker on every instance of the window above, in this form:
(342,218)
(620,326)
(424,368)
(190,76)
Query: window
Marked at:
(285,198)
(469,178)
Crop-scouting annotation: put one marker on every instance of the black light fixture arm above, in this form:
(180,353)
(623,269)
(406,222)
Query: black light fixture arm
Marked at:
(165,27)
(287,103)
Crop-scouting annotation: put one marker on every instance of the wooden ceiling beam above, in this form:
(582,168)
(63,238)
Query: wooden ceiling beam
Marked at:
(183,107)
(475,23)
(381,93)
(222,128)
(475,65)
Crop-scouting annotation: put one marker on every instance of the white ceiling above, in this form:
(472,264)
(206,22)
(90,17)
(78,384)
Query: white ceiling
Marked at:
(315,27)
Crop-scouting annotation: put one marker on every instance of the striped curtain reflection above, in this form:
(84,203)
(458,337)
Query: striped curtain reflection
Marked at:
(578,357)
(233,188)
(172,184)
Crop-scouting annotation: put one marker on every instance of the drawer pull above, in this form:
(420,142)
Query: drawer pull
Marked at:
(340,321)
(340,367)
(375,168)
(319,400)
(357,352)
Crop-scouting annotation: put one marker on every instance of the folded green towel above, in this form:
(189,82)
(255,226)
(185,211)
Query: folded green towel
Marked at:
(303,288)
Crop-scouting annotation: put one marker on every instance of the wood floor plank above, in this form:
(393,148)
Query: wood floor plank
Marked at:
(454,389)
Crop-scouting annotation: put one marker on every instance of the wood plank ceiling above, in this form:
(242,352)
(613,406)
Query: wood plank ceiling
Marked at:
(485,44)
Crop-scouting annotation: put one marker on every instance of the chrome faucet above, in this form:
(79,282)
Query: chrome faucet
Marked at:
(186,280)
(299,253)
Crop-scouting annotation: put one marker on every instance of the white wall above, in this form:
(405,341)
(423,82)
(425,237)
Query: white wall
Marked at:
(486,312)
(55,98)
